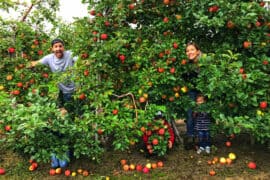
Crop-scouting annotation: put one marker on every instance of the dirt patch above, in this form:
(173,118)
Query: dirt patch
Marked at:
(178,163)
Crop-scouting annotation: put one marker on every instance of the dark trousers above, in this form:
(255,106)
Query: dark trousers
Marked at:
(190,120)
(204,138)
(65,100)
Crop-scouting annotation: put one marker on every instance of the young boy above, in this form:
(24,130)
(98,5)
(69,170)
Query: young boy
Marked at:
(202,126)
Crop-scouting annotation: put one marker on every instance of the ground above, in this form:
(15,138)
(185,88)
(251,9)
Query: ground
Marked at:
(178,163)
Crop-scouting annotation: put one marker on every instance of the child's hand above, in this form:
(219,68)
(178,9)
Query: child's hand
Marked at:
(63,111)
(170,144)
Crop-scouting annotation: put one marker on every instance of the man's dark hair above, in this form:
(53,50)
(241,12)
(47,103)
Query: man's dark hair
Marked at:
(57,40)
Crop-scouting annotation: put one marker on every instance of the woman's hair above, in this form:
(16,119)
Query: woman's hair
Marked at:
(191,43)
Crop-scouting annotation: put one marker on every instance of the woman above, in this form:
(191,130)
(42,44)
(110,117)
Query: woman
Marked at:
(193,53)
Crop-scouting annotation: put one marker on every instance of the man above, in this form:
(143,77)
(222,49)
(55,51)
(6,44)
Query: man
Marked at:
(59,61)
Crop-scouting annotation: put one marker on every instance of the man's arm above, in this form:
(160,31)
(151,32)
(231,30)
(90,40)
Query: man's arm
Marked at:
(34,63)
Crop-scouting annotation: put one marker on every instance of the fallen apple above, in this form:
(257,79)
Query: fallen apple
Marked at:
(252,165)
(146,170)
(232,156)
(139,167)
(67,172)
(2,171)
(52,172)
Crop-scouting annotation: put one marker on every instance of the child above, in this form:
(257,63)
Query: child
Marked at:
(159,130)
(202,126)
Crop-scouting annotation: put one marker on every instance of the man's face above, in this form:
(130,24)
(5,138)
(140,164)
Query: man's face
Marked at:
(192,53)
(58,50)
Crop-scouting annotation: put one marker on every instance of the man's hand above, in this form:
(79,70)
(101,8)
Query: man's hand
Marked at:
(32,64)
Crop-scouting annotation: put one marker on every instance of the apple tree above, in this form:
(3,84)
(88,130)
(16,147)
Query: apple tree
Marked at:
(138,47)
(131,63)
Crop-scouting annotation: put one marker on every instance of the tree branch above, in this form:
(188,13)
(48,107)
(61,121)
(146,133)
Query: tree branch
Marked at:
(133,100)
(28,11)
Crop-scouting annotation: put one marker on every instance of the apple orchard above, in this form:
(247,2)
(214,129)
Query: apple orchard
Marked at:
(131,60)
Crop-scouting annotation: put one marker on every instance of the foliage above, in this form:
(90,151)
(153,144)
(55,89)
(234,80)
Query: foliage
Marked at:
(132,62)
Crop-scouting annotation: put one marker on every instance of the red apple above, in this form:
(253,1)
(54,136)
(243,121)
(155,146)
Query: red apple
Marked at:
(230,24)
(265,62)
(11,50)
(92,12)
(246,44)
(139,167)
(103,36)
(165,19)
(36,42)
(34,164)
(45,75)
(241,70)
(7,127)
(86,72)
(145,170)
(82,96)
(131,6)
(142,99)
(161,70)
(52,172)
(160,164)
(99,131)
(175,45)
(161,131)
(67,172)
(262,4)
(107,23)
(252,165)
(19,84)
(263,104)
(172,70)
(2,171)
(155,141)
(122,58)
(228,143)
(213,8)
(40,52)
(115,111)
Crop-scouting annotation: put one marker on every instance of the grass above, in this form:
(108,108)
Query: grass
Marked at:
(178,164)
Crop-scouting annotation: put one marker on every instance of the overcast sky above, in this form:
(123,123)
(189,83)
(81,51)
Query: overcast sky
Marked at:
(68,10)
(72,8)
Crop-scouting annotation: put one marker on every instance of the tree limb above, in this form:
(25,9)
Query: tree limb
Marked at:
(133,100)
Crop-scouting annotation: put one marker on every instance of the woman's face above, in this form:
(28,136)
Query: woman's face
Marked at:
(192,53)
(58,50)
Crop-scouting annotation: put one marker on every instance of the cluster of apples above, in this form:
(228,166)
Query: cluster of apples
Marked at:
(221,160)
(139,167)
(68,172)
(33,165)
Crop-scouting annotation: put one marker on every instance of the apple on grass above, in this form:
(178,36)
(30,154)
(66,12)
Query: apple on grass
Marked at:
(52,172)
(67,172)
(146,170)
(148,165)
(139,167)
(2,171)
(228,143)
(252,165)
